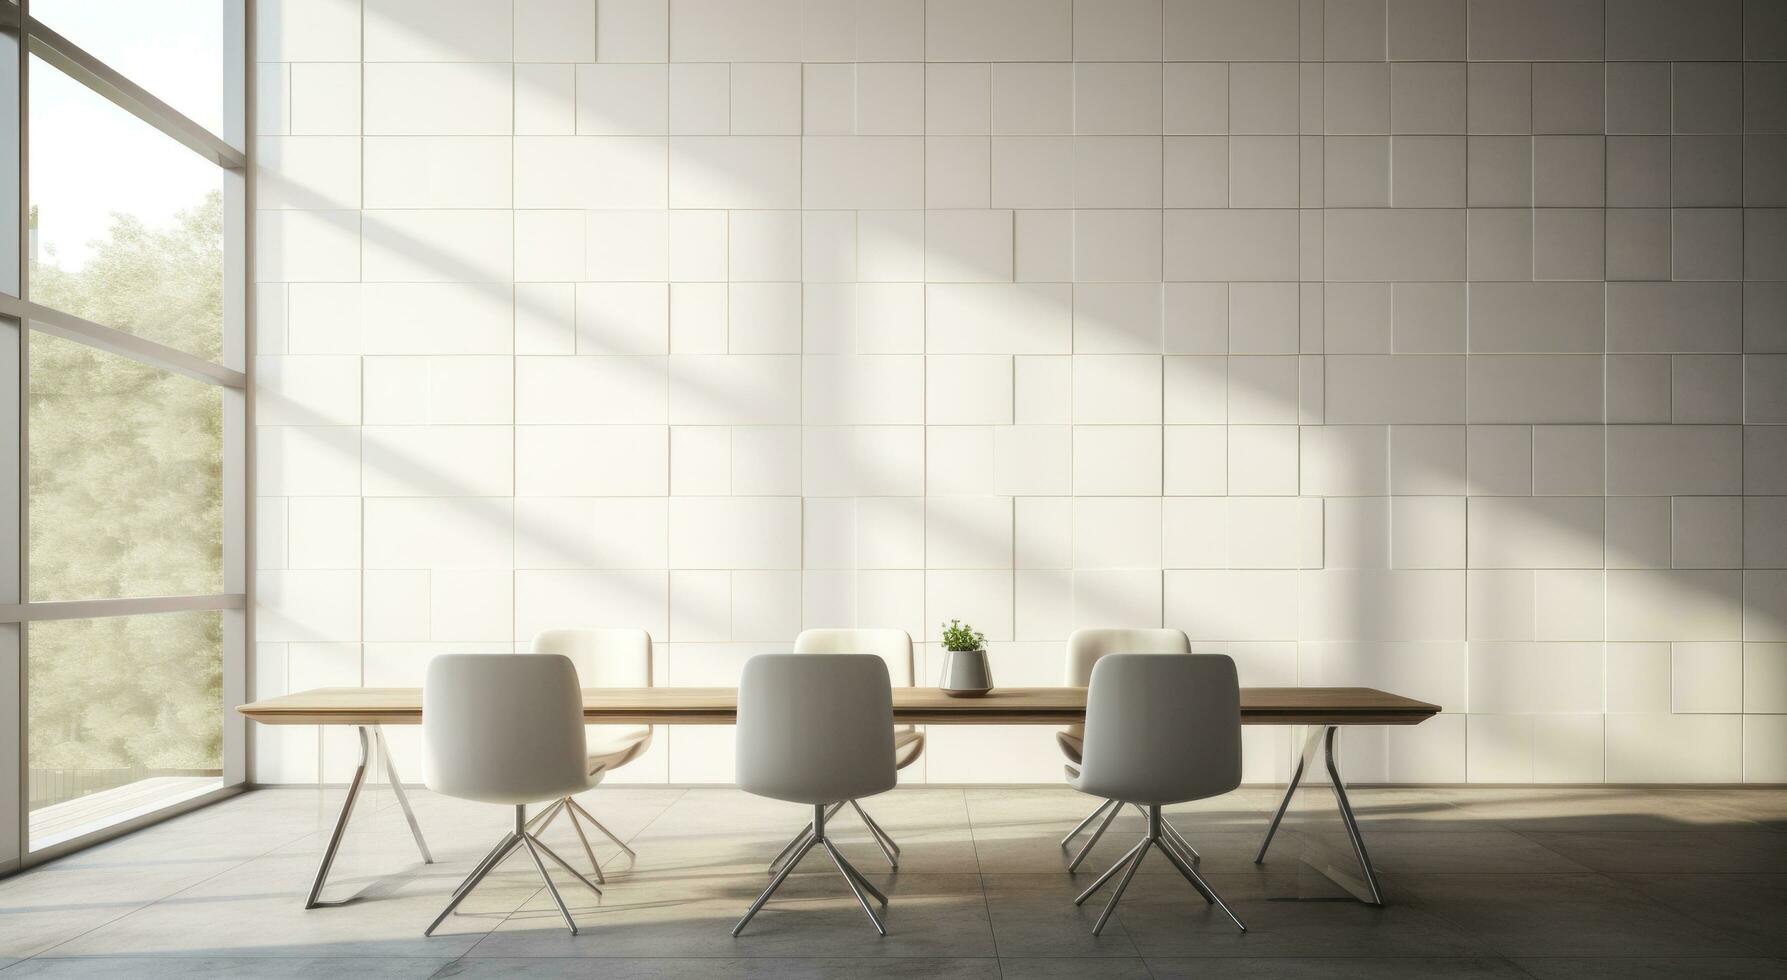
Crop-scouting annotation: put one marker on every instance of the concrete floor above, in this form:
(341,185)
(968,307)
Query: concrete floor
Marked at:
(1564,882)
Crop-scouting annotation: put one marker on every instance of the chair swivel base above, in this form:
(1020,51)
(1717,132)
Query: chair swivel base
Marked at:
(1155,837)
(1110,809)
(520,837)
(567,805)
(889,849)
(815,836)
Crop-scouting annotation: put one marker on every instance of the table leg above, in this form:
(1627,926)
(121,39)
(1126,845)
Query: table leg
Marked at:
(1283,805)
(403,799)
(1321,742)
(314,901)
(1352,825)
(369,735)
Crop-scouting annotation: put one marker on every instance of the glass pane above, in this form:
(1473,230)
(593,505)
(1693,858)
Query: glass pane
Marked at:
(126,224)
(9,163)
(187,53)
(126,494)
(126,717)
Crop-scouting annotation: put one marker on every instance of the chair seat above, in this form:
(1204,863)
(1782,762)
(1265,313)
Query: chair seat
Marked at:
(1072,742)
(611,746)
(909,744)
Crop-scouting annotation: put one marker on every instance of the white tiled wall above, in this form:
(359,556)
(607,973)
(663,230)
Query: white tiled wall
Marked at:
(1435,345)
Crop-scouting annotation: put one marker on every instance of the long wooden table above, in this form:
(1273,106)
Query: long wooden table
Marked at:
(1324,709)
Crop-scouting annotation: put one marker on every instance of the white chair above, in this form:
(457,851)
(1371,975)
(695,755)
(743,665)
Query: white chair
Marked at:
(1084,649)
(894,647)
(1160,730)
(816,728)
(498,728)
(603,658)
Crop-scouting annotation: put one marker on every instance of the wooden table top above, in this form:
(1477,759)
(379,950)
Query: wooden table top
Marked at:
(912,705)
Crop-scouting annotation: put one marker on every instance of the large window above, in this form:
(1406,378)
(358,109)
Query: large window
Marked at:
(123,297)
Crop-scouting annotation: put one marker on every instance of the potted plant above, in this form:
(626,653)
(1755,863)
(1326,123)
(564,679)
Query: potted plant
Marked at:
(966,673)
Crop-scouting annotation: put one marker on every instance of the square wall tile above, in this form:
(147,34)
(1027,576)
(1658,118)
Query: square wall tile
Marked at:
(1567,97)
(1500,98)
(1427,171)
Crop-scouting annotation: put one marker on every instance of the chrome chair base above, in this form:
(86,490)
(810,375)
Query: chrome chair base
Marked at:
(1157,836)
(889,849)
(815,836)
(541,820)
(520,837)
(1110,809)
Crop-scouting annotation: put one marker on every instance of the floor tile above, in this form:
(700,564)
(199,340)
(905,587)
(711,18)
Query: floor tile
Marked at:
(1684,851)
(1764,805)
(1562,915)
(211,968)
(726,968)
(1034,916)
(1334,968)
(927,916)
(42,908)
(1165,917)
(1477,852)
(1652,968)
(258,909)
(1101,968)
(1594,808)
(1751,907)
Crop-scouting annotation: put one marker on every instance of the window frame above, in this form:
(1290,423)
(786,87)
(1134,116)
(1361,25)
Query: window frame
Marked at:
(19,316)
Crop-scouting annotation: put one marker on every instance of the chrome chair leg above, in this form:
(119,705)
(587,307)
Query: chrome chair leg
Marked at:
(561,862)
(1203,887)
(1092,842)
(588,851)
(807,844)
(495,857)
(1093,888)
(538,823)
(604,830)
(805,835)
(503,849)
(889,849)
(1122,886)
(1181,860)
(1185,848)
(874,827)
(1083,824)
(851,878)
(814,836)
(861,878)
(540,866)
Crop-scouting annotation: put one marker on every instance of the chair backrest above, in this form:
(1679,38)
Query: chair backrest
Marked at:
(502,728)
(815,727)
(1085,647)
(603,657)
(892,646)
(1162,729)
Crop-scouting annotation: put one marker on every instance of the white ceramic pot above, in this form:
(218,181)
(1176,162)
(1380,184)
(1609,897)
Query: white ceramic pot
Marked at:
(966,673)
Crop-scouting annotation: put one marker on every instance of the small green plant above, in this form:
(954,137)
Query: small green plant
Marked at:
(959,636)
